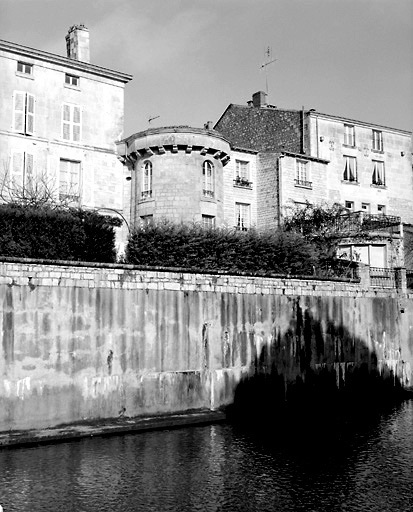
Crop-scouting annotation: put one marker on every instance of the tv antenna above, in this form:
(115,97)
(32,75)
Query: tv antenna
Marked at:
(152,119)
(268,60)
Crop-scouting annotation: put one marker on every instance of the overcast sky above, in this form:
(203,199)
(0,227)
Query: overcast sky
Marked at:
(191,58)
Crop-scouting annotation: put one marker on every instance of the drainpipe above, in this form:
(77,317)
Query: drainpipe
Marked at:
(316,132)
(303,148)
(279,189)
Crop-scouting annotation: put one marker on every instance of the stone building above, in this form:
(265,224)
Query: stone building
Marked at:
(60,117)
(307,156)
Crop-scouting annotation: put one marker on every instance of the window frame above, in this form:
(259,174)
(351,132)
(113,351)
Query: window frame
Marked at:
(208,221)
(67,193)
(27,167)
(242,216)
(378,176)
(25,66)
(377,142)
(25,125)
(381,209)
(346,176)
(302,169)
(349,205)
(146,179)
(208,179)
(349,135)
(69,80)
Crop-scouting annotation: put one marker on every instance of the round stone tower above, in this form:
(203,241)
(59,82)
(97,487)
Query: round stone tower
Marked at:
(177,173)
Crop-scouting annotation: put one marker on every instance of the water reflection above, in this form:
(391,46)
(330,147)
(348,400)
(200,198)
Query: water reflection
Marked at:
(351,464)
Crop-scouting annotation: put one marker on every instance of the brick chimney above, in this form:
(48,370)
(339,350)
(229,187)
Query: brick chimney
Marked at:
(259,99)
(77,43)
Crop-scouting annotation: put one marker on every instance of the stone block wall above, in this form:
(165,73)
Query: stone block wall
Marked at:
(92,342)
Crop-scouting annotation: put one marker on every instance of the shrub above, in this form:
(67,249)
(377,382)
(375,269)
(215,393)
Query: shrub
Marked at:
(56,234)
(192,246)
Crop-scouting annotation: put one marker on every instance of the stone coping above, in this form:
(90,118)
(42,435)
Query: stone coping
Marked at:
(108,427)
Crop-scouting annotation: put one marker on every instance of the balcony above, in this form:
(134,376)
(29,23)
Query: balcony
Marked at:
(362,221)
(242,182)
(303,183)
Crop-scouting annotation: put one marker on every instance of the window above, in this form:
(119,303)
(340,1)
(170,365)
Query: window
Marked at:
(242,216)
(302,174)
(349,205)
(146,189)
(71,122)
(378,177)
(208,221)
(146,220)
(242,174)
(381,209)
(72,80)
(22,172)
(350,169)
(69,180)
(377,140)
(23,67)
(23,112)
(365,207)
(349,136)
(208,179)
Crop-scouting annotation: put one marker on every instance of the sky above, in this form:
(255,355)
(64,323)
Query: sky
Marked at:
(191,58)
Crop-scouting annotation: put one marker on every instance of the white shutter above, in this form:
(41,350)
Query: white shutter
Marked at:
(29,114)
(28,169)
(76,123)
(66,118)
(17,170)
(19,100)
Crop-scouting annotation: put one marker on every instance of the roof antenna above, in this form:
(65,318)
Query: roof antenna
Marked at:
(152,119)
(268,60)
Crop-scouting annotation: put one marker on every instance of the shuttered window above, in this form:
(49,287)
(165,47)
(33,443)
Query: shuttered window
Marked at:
(71,122)
(22,171)
(23,112)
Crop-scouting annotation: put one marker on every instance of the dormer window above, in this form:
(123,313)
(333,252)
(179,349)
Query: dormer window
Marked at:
(72,80)
(24,68)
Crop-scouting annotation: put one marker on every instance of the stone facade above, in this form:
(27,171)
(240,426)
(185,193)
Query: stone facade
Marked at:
(59,119)
(176,173)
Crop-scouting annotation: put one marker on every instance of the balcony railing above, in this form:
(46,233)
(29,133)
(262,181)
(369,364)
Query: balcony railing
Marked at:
(242,182)
(208,193)
(362,221)
(146,194)
(303,183)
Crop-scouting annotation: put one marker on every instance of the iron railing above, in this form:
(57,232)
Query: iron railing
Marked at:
(362,221)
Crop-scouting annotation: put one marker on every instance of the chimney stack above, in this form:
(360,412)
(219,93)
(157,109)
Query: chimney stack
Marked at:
(77,43)
(209,125)
(259,99)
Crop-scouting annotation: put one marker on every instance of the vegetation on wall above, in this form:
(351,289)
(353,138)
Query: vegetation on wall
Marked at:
(48,232)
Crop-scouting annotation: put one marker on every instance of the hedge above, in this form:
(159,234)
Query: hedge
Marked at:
(56,234)
(192,246)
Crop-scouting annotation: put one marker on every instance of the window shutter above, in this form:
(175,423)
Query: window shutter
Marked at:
(16,176)
(18,111)
(76,124)
(28,167)
(66,122)
(64,176)
(30,114)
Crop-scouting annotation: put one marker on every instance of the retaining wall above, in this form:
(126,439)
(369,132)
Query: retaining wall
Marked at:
(86,342)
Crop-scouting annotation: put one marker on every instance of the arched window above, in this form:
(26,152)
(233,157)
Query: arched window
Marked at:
(146,189)
(208,179)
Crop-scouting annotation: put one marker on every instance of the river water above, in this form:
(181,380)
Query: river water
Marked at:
(350,464)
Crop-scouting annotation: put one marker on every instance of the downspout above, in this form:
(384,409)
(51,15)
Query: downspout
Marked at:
(303,147)
(316,133)
(279,190)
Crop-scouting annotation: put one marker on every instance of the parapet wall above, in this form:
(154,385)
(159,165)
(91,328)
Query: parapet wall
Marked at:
(87,342)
